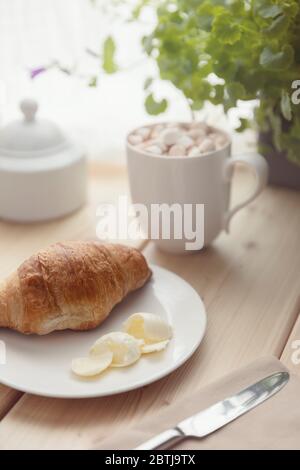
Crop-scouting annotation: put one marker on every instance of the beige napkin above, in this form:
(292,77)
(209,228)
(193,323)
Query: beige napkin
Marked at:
(275,424)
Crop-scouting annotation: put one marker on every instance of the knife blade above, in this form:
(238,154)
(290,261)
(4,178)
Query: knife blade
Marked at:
(218,415)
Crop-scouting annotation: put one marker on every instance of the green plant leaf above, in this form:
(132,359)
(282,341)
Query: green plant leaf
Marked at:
(108,56)
(285,104)
(93,82)
(155,107)
(273,60)
(147,43)
(226,29)
(205,15)
(197,105)
(236,91)
(138,8)
(244,124)
(148,82)
(270,11)
(278,26)
(217,96)
(251,46)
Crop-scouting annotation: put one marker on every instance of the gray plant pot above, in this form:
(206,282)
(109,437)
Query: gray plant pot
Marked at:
(282,171)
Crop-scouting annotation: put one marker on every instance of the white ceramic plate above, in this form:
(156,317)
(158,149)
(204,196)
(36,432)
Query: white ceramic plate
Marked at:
(41,365)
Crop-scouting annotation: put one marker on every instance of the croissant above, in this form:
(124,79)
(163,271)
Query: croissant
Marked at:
(71,285)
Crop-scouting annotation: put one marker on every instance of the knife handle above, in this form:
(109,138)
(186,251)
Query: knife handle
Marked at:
(163,440)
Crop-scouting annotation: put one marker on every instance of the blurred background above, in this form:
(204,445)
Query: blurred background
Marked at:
(35,33)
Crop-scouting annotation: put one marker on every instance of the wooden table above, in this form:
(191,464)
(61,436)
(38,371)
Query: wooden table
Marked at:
(249,281)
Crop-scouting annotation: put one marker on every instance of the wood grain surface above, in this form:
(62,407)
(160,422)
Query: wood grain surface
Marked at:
(249,281)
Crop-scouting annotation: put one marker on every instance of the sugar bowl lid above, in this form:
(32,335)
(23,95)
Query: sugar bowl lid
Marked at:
(30,136)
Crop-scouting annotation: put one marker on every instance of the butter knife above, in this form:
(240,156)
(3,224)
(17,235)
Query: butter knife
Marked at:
(220,414)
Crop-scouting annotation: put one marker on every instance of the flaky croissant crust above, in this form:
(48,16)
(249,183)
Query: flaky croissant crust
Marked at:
(71,285)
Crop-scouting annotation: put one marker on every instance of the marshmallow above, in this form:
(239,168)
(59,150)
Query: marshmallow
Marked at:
(172,125)
(179,139)
(171,136)
(155,142)
(144,132)
(199,126)
(135,139)
(177,151)
(154,149)
(157,130)
(194,151)
(186,141)
(221,141)
(196,133)
(200,140)
(160,144)
(207,146)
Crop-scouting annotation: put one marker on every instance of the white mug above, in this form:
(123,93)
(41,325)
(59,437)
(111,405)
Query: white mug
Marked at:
(203,181)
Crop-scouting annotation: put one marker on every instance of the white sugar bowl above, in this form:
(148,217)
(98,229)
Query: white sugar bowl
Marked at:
(43,175)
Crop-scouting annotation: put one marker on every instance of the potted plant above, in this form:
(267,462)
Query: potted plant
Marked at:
(252,46)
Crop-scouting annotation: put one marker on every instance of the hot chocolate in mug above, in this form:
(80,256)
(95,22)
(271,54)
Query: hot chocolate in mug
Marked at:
(194,189)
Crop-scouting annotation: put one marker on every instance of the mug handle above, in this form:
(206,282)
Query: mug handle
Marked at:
(254,162)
